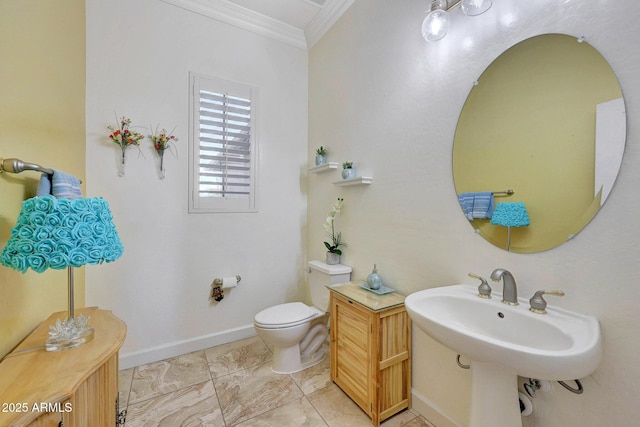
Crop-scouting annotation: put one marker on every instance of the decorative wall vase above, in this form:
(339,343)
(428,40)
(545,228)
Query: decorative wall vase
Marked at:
(348,173)
(320,160)
(123,162)
(333,258)
(162,169)
(162,141)
(125,138)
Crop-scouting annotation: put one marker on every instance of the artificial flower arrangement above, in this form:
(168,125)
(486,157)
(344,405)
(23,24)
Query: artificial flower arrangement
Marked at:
(125,138)
(329,226)
(161,142)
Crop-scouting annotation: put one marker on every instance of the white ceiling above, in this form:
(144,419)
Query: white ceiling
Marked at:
(300,23)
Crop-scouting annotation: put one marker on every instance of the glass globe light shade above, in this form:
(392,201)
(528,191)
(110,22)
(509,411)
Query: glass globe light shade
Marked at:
(435,25)
(475,7)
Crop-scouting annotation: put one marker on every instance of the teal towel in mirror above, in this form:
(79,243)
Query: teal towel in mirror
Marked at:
(476,204)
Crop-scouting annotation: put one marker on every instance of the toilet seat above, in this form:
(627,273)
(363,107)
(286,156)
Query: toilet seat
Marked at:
(285,315)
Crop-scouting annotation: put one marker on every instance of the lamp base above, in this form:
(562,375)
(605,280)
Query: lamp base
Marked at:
(69,333)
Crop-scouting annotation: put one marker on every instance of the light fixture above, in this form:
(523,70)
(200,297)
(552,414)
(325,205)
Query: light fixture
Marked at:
(475,7)
(510,214)
(436,25)
(58,234)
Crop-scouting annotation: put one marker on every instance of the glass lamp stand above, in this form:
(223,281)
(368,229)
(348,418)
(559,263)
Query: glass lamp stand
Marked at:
(71,332)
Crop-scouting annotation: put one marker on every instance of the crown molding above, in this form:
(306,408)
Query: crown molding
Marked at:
(324,20)
(230,13)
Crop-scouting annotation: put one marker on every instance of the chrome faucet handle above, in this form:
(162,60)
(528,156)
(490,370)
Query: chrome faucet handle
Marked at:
(484,290)
(538,303)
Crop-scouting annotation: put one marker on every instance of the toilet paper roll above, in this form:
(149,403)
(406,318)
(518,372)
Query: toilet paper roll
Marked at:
(229,282)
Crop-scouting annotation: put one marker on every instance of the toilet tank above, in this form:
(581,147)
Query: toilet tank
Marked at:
(321,275)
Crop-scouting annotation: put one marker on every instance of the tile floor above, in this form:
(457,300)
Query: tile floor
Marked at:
(233,385)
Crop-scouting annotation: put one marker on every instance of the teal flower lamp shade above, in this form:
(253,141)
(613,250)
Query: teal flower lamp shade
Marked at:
(58,234)
(510,214)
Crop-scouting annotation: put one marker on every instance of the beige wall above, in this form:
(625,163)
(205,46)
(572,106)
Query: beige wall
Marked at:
(42,120)
(383,97)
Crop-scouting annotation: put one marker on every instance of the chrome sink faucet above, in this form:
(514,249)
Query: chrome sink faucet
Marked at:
(509,290)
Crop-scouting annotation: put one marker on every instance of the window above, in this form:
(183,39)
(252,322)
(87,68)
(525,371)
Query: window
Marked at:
(223,164)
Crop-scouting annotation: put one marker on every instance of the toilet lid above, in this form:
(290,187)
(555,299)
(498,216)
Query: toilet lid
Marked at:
(285,314)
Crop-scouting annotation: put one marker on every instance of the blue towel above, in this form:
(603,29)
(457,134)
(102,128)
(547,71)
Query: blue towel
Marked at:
(65,186)
(476,205)
(466,203)
(44,186)
(61,185)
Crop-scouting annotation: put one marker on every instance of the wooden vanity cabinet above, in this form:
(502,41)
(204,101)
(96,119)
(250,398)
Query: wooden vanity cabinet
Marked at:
(71,388)
(371,349)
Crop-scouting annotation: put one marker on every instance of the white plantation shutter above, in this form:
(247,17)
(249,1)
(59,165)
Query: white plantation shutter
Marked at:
(223,159)
(225,145)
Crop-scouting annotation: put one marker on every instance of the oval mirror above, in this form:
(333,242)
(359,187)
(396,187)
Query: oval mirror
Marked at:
(543,129)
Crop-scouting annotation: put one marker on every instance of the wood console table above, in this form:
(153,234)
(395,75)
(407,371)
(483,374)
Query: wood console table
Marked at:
(371,349)
(78,387)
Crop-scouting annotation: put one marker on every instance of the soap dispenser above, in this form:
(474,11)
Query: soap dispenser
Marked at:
(374,281)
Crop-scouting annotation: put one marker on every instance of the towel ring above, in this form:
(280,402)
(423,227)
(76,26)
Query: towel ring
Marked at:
(17,166)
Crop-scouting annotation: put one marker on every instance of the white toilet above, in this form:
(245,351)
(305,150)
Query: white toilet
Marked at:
(297,331)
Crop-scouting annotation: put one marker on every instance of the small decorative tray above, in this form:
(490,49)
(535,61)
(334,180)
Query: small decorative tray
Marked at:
(382,291)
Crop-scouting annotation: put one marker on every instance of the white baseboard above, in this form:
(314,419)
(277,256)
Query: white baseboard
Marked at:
(129,360)
(431,411)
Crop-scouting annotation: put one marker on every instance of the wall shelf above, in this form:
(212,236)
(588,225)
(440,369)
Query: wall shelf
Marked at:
(324,167)
(359,180)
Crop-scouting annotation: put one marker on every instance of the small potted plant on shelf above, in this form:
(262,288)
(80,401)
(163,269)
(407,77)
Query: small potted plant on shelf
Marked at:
(321,156)
(348,171)
(333,248)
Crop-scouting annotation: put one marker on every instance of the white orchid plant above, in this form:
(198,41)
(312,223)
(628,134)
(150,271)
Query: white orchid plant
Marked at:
(329,227)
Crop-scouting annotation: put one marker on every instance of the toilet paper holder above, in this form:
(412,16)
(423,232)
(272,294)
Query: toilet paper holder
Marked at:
(218,281)
(217,287)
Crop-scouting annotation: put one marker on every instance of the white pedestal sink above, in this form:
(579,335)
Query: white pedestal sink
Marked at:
(504,341)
